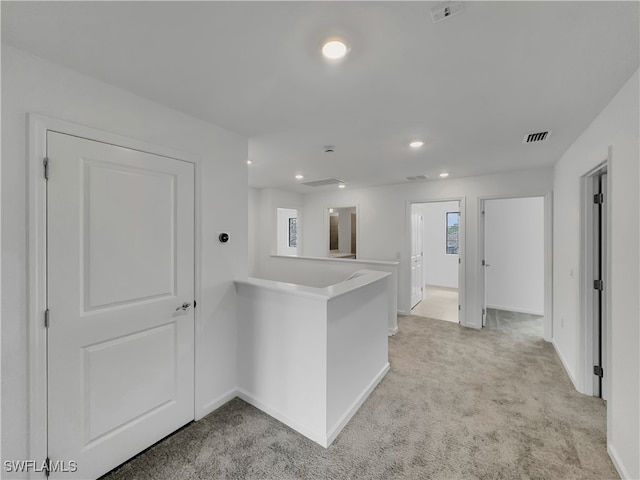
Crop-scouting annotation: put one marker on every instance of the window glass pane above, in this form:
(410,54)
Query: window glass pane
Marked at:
(453,221)
(293,232)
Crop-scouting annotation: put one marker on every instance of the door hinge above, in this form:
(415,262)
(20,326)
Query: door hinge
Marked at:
(46,318)
(47,467)
(46,168)
(598,371)
(598,285)
(459,308)
(598,198)
(195,304)
(459,261)
(483,263)
(483,312)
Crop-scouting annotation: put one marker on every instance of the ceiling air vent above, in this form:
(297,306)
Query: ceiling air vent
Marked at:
(322,183)
(536,137)
(417,178)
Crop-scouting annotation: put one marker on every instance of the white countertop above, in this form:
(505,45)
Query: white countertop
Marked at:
(355,281)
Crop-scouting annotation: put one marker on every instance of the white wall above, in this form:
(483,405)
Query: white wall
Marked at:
(253,229)
(440,269)
(616,126)
(331,350)
(514,251)
(385,228)
(30,84)
(282,236)
(264,208)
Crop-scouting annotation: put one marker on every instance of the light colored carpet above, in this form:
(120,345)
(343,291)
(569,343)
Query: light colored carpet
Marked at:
(514,323)
(440,303)
(456,404)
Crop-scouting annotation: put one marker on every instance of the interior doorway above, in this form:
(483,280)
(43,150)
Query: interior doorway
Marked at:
(595,282)
(342,232)
(435,260)
(512,236)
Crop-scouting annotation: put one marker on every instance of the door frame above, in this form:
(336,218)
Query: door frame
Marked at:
(38,126)
(548,255)
(462,269)
(325,222)
(586,323)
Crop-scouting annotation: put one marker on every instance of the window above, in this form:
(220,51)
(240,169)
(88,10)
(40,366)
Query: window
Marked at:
(293,232)
(453,220)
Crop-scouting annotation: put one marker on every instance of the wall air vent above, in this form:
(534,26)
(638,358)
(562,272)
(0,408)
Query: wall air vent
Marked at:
(417,178)
(323,182)
(536,137)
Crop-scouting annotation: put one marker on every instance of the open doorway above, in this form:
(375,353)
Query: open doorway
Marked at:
(513,264)
(342,234)
(435,260)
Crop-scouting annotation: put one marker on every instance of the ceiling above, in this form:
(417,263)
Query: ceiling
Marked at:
(471,87)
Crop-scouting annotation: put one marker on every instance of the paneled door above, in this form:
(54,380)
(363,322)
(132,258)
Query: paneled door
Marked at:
(120,299)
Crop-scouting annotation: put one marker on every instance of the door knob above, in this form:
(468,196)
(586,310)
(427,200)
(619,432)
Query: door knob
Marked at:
(185,306)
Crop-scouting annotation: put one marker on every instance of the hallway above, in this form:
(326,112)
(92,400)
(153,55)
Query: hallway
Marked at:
(440,303)
(457,404)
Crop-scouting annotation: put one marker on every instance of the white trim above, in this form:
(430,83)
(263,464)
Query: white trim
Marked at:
(564,364)
(463,319)
(216,403)
(617,462)
(321,438)
(317,437)
(340,260)
(548,254)
(357,403)
(39,125)
(37,298)
(392,331)
(585,326)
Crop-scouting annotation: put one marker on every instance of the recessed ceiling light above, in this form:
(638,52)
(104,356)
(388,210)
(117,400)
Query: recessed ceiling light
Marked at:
(299,177)
(249,162)
(342,185)
(416,144)
(444,175)
(334,49)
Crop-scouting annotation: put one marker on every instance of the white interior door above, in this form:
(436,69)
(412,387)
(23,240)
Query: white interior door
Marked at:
(599,298)
(120,266)
(417,274)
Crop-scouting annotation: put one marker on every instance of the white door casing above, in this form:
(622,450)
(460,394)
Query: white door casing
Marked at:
(120,262)
(417,274)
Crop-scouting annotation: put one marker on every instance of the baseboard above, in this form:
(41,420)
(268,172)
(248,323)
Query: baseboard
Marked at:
(392,331)
(319,438)
(564,365)
(216,403)
(615,458)
(403,312)
(353,408)
(516,309)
